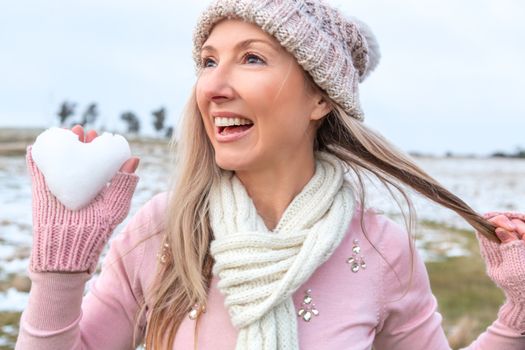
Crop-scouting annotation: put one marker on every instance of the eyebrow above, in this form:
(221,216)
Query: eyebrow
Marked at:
(244,44)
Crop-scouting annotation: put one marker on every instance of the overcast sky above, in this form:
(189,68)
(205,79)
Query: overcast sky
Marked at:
(451,77)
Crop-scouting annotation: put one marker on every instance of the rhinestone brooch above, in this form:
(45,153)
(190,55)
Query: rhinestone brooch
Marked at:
(356,261)
(307,307)
(195,311)
(163,255)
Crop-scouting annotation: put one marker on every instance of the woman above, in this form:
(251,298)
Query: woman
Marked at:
(263,242)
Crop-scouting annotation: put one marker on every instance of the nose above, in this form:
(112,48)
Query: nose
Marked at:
(216,84)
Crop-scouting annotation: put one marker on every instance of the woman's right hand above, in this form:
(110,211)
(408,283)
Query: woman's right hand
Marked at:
(71,241)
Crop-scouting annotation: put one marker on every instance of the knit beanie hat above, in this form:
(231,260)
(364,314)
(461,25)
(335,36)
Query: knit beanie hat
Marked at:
(337,51)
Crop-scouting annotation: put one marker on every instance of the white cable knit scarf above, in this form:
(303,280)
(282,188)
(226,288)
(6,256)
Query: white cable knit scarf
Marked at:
(258,269)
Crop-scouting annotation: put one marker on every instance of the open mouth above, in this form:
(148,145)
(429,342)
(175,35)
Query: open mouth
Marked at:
(230,126)
(233,129)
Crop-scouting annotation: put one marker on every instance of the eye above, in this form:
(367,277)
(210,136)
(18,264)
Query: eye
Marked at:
(253,58)
(206,61)
(250,58)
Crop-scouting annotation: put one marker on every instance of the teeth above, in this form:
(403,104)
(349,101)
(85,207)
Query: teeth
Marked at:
(231,121)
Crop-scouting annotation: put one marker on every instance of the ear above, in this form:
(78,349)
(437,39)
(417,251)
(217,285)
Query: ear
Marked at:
(320,108)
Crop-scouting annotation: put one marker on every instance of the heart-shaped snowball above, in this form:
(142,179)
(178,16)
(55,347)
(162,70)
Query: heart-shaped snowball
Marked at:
(75,172)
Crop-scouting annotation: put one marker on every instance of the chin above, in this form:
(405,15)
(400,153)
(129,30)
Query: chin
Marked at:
(233,162)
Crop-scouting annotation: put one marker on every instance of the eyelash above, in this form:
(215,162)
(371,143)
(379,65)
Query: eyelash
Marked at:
(204,60)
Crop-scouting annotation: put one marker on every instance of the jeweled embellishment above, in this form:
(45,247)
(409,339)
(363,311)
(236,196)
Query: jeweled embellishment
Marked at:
(356,261)
(163,255)
(308,308)
(195,311)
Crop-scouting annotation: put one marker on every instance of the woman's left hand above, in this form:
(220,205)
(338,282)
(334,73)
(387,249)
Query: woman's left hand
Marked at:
(509,226)
(506,264)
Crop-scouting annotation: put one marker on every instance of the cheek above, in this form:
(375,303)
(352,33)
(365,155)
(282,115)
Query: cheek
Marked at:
(202,106)
(199,95)
(210,130)
(257,91)
(272,95)
(282,110)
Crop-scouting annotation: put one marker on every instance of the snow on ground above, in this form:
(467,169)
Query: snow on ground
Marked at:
(485,184)
(13,300)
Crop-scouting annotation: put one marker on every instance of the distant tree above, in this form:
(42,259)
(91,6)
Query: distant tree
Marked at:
(90,115)
(132,121)
(499,154)
(66,110)
(520,152)
(415,153)
(169,132)
(159,116)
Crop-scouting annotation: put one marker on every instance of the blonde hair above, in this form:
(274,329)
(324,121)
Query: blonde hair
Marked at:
(184,279)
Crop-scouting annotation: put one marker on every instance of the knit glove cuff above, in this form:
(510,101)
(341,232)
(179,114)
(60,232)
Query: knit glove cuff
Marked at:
(72,241)
(506,267)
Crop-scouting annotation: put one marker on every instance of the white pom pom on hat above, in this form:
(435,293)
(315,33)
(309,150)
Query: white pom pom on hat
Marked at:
(374,54)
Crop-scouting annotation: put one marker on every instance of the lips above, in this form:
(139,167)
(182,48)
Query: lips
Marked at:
(230,126)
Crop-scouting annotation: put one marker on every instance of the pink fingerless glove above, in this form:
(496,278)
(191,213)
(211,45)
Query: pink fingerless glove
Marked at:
(506,267)
(72,241)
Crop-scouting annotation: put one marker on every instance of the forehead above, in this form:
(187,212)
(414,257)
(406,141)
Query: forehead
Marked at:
(229,32)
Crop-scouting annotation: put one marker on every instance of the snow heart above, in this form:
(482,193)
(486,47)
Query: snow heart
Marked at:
(76,172)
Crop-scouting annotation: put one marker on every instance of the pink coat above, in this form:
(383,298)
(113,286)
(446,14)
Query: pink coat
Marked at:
(357,310)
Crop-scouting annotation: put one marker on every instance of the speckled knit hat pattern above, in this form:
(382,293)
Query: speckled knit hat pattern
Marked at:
(337,51)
